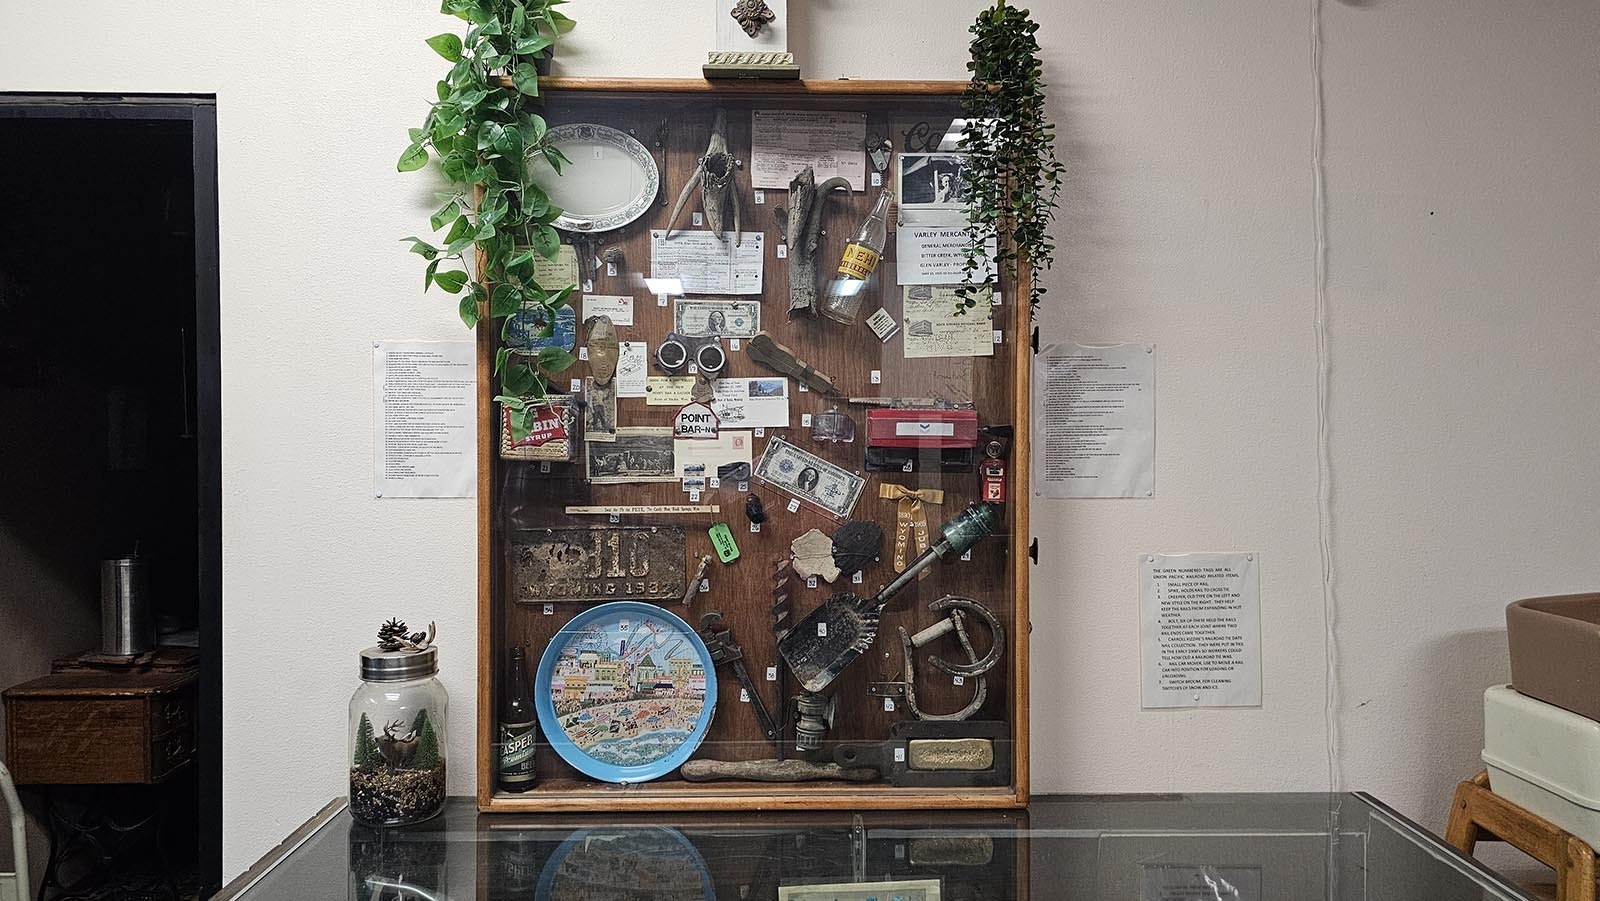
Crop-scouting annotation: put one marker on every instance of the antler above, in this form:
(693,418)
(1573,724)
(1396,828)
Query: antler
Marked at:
(389,728)
(418,641)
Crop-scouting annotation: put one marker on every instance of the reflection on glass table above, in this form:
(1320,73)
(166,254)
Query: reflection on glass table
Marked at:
(1343,847)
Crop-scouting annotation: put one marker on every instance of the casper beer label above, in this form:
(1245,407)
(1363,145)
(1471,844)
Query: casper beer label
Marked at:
(516,752)
(858,262)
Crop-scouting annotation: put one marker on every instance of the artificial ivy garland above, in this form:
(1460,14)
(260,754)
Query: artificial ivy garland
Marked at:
(482,130)
(1011,167)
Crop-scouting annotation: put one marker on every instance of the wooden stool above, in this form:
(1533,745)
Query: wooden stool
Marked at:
(1479,814)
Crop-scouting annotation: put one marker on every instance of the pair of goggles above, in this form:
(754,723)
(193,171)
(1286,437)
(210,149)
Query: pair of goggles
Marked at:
(677,352)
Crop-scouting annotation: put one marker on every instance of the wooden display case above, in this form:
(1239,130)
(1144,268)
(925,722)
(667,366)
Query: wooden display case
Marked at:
(672,118)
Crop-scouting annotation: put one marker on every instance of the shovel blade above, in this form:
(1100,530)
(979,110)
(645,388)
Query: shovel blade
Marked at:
(827,640)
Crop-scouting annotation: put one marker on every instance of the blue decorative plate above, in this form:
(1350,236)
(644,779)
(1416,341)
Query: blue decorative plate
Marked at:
(625,692)
(654,862)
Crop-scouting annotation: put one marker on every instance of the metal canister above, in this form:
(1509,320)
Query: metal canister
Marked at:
(127,626)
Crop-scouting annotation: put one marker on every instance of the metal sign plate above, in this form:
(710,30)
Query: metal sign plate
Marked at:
(605,563)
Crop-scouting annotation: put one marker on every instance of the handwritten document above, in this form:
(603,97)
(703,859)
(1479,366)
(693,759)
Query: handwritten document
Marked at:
(705,262)
(1199,630)
(425,414)
(786,141)
(561,272)
(1094,420)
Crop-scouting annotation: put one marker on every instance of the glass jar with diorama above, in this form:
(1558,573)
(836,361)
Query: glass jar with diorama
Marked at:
(397,730)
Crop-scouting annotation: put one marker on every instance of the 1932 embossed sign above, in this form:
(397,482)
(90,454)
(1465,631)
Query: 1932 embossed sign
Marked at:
(598,564)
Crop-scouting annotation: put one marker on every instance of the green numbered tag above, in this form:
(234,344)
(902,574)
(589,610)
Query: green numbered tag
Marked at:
(722,540)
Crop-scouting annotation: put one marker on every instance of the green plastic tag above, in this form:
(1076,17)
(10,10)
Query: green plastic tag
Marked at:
(722,540)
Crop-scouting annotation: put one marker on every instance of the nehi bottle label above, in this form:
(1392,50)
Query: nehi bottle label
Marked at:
(858,262)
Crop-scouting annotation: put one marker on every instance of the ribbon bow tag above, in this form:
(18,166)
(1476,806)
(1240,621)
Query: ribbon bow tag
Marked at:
(910,519)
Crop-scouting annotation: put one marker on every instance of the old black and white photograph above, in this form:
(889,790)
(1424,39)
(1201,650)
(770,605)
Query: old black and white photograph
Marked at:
(933,181)
(639,454)
(600,410)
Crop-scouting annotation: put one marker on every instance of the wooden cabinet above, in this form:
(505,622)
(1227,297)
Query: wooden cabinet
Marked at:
(673,120)
(100,728)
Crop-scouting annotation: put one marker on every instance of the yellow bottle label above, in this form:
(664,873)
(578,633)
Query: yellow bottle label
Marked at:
(858,262)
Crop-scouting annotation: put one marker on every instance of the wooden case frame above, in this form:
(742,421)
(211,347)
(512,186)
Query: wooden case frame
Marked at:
(578,796)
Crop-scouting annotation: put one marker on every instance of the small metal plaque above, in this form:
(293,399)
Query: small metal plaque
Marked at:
(950,754)
(603,563)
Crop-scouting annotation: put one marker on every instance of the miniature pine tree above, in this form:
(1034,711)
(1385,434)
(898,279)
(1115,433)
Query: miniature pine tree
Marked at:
(427,754)
(366,755)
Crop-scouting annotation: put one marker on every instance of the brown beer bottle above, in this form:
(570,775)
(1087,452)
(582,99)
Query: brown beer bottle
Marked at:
(519,728)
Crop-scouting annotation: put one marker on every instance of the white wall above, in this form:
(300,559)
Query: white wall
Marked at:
(1463,142)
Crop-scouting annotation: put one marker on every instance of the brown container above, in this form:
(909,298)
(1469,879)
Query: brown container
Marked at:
(1555,650)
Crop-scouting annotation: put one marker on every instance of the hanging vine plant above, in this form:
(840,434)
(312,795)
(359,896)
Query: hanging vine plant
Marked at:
(482,129)
(1013,175)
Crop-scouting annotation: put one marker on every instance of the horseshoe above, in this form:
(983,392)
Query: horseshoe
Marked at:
(958,604)
(955,609)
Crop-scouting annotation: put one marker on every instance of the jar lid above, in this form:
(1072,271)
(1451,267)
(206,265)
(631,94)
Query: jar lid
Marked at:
(378,665)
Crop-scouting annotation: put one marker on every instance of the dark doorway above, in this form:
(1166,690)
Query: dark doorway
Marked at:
(110,391)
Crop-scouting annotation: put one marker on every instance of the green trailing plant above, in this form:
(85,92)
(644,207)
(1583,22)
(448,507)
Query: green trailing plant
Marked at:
(482,129)
(1012,171)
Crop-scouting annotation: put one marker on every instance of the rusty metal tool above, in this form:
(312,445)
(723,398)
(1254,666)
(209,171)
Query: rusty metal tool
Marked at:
(699,577)
(724,650)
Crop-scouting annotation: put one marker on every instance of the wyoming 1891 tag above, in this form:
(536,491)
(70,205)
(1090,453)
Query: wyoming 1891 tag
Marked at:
(602,563)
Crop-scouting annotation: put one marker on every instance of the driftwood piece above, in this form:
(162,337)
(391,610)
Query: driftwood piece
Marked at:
(802,226)
(774,771)
(714,175)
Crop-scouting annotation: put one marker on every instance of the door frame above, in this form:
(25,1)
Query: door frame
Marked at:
(201,111)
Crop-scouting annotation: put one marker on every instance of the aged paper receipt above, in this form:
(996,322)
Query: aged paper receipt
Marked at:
(786,141)
(1199,630)
(1094,420)
(708,263)
(424,440)
(935,329)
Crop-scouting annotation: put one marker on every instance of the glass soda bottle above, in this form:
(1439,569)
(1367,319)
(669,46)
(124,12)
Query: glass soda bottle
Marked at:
(846,290)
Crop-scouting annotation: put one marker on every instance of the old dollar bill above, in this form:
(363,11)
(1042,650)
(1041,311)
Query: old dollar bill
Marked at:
(809,478)
(896,890)
(697,318)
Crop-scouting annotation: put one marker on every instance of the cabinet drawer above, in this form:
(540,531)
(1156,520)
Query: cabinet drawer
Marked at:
(70,741)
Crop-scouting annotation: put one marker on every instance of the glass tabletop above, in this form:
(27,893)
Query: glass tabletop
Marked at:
(1238,847)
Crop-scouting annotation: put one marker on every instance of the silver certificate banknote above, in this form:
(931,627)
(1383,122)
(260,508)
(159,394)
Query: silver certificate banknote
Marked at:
(809,478)
(717,318)
(897,890)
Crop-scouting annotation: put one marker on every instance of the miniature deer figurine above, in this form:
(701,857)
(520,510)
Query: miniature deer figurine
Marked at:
(396,751)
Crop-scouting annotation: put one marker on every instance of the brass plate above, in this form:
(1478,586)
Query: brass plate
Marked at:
(603,563)
(950,754)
